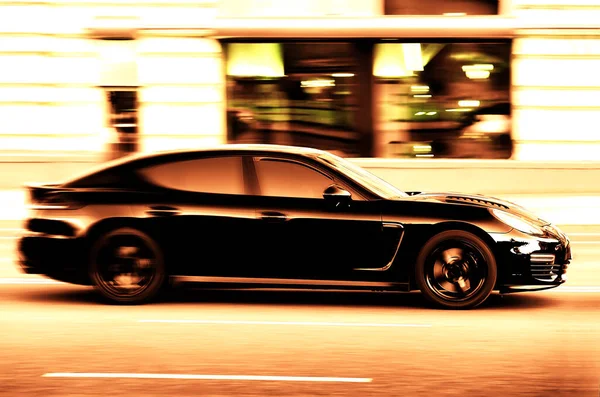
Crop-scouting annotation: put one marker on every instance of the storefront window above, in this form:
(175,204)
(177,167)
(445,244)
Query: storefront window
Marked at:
(441,7)
(449,100)
(429,99)
(297,93)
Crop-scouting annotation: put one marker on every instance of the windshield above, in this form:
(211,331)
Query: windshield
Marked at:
(362,176)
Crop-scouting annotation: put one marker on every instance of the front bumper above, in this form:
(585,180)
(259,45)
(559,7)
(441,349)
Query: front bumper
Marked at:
(533,263)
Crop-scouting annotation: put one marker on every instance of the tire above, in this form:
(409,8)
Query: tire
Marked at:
(127,255)
(456,269)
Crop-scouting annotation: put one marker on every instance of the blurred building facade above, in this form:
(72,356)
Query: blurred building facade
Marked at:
(467,79)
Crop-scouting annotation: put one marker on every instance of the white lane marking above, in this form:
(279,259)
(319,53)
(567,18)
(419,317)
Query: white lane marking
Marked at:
(27,281)
(271,378)
(565,289)
(306,323)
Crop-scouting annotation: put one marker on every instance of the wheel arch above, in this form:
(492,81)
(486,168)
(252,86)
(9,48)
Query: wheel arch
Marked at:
(108,224)
(446,226)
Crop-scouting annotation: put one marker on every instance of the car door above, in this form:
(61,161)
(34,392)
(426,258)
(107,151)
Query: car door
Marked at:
(302,235)
(203,215)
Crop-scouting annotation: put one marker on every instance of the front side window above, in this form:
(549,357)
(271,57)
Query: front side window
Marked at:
(222,175)
(280,178)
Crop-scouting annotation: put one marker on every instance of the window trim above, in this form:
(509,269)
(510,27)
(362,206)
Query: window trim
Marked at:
(257,191)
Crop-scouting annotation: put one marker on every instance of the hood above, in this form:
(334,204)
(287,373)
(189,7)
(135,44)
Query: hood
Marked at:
(481,201)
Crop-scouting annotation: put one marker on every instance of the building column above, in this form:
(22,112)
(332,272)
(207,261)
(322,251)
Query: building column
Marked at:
(555,86)
(365,106)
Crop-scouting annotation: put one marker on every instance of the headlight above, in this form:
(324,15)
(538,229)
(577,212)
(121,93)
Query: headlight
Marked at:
(517,223)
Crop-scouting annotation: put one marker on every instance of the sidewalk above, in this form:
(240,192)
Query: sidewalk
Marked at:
(558,209)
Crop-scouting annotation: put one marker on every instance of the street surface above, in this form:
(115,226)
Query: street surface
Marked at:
(60,340)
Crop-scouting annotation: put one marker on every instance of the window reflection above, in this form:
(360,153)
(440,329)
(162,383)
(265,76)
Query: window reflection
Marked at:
(279,178)
(443,99)
(431,99)
(440,7)
(221,175)
(308,102)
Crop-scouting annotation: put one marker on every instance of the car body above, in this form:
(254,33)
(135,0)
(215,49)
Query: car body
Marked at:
(273,215)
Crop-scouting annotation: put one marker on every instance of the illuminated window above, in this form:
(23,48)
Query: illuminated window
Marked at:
(441,7)
(292,93)
(443,99)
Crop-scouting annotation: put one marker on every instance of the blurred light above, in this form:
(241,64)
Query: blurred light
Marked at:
(431,113)
(419,113)
(419,88)
(468,103)
(479,66)
(422,96)
(423,155)
(317,83)
(422,148)
(255,60)
(393,60)
(342,75)
(412,56)
(478,71)
(478,74)
(459,110)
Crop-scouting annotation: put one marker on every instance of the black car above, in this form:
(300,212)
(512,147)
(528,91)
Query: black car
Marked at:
(277,216)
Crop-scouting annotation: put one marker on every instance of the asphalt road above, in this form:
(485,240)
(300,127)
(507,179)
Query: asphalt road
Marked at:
(59,340)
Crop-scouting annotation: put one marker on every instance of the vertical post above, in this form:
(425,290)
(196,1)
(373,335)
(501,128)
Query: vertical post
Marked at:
(365,107)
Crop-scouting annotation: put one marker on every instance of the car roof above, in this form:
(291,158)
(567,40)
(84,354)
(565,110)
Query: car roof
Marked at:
(169,154)
(241,148)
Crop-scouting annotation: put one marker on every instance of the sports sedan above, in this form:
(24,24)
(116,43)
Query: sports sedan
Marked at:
(277,216)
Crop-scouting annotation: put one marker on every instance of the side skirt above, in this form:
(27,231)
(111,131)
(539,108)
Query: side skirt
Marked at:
(270,283)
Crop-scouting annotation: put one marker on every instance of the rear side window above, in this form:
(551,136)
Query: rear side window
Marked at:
(222,175)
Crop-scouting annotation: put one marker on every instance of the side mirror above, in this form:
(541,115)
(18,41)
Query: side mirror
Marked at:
(337,194)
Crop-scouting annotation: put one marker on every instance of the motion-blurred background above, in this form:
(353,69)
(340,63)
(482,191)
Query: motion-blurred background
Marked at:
(500,97)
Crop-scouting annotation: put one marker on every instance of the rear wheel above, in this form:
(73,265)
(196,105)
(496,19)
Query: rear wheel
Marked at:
(127,266)
(456,270)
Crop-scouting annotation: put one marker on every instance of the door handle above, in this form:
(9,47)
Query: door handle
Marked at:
(162,210)
(273,216)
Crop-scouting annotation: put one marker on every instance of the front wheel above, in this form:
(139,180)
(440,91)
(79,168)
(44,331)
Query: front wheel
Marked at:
(127,266)
(456,270)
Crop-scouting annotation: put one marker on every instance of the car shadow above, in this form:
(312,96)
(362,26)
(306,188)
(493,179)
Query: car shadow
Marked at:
(343,298)
(195,295)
